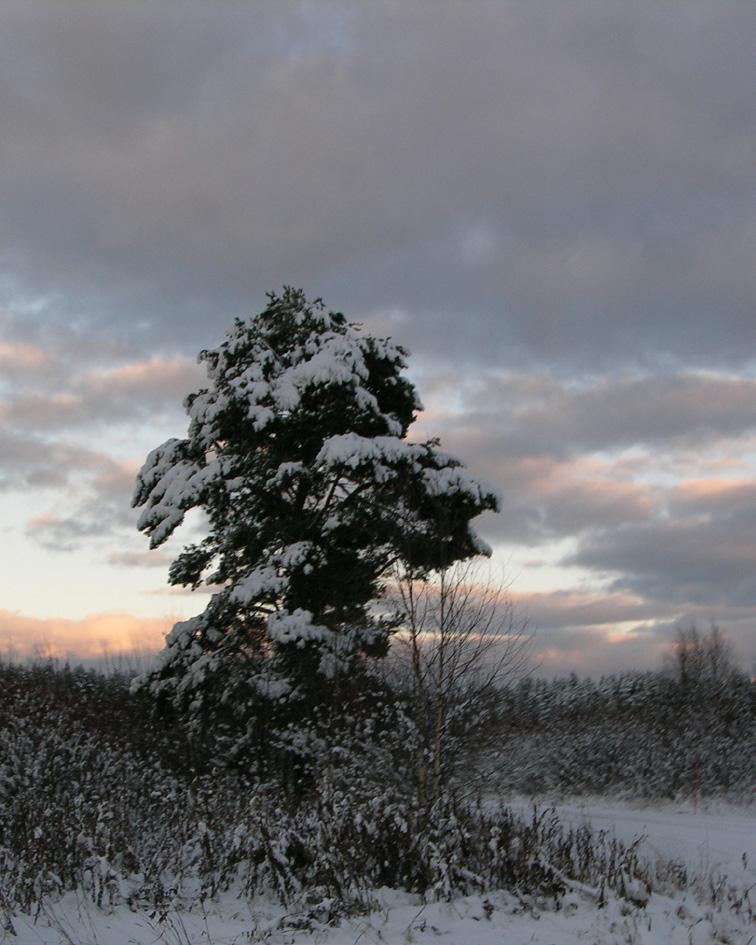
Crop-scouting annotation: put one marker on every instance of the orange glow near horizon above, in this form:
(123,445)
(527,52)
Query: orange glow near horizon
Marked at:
(92,637)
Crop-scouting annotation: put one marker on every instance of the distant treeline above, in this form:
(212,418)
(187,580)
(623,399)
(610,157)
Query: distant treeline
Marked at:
(635,734)
(649,735)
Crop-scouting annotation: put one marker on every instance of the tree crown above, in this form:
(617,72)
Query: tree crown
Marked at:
(297,453)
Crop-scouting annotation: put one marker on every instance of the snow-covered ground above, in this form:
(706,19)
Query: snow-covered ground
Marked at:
(713,843)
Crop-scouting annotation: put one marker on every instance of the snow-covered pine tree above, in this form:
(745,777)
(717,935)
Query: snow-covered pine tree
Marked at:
(297,454)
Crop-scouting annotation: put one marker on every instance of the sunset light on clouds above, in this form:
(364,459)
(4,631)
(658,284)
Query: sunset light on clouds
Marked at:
(552,208)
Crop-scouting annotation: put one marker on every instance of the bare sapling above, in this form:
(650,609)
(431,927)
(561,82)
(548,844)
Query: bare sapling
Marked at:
(458,645)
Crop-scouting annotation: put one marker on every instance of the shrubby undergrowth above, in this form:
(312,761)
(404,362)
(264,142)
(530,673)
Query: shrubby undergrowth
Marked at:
(634,735)
(96,794)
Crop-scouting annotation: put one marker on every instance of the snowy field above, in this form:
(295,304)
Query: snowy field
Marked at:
(716,844)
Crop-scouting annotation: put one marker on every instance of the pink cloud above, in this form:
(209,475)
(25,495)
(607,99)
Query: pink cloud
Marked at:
(22,357)
(90,637)
(112,394)
(575,608)
(711,494)
(162,376)
(42,409)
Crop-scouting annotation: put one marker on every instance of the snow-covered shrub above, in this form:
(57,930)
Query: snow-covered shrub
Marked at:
(82,774)
(95,797)
(347,845)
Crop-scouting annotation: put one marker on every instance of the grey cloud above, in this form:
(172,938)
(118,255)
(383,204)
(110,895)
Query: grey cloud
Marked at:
(63,533)
(100,507)
(97,513)
(543,499)
(30,462)
(690,543)
(534,414)
(710,562)
(649,410)
(553,449)
(572,508)
(576,186)
(95,502)
(94,514)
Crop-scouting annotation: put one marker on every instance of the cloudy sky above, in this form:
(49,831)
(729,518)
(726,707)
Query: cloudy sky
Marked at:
(551,205)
